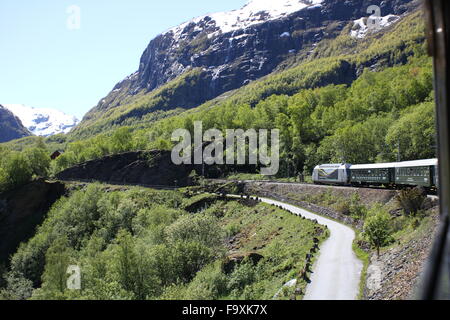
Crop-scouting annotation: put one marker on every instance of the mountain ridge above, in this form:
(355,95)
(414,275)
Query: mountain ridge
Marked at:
(11,126)
(232,59)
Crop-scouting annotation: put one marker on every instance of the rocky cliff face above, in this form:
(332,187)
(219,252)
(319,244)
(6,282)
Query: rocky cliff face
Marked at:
(153,168)
(10,126)
(148,168)
(234,48)
(22,210)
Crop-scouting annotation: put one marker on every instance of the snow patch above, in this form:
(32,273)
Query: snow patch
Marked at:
(360,29)
(42,121)
(254,12)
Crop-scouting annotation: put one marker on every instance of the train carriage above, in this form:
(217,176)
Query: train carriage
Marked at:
(408,173)
(372,174)
(417,173)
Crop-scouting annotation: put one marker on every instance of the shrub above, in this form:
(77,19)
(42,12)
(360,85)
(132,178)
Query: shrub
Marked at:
(244,274)
(133,266)
(210,283)
(3,180)
(39,161)
(232,229)
(180,261)
(411,200)
(57,259)
(342,206)
(357,209)
(17,287)
(377,228)
(17,170)
(201,228)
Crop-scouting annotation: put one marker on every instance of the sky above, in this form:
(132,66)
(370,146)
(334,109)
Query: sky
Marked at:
(51,59)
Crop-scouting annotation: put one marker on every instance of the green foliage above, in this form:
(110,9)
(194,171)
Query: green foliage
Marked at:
(133,267)
(39,161)
(377,227)
(357,209)
(202,228)
(139,244)
(57,260)
(209,284)
(243,275)
(411,200)
(4,179)
(16,170)
(17,287)
(414,135)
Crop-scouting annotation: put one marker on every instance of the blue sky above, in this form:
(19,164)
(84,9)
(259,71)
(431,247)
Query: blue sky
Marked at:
(44,64)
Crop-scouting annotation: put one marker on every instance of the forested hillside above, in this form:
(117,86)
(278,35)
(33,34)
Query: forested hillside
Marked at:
(144,244)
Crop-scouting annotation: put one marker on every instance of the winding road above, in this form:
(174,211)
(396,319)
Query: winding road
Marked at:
(337,271)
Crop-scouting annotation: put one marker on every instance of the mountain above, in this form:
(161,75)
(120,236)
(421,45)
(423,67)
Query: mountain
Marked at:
(213,54)
(10,126)
(43,122)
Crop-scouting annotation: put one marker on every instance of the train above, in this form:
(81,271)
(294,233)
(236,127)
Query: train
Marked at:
(422,173)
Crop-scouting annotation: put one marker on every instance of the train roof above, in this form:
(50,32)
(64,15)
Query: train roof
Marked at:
(333,165)
(373,166)
(417,163)
(403,164)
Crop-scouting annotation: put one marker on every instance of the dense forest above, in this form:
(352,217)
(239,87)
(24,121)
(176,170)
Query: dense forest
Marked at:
(144,244)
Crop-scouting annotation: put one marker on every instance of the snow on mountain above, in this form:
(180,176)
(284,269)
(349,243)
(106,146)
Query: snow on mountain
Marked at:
(360,28)
(254,12)
(42,121)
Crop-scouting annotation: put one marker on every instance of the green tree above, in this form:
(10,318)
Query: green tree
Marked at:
(39,161)
(121,140)
(17,287)
(414,134)
(17,168)
(133,267)
(377,228)
(57,260)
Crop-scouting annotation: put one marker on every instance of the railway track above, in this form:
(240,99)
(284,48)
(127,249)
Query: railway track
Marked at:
(430,194)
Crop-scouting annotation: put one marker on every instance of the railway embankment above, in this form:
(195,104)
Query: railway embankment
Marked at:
(396,273)
(328,201)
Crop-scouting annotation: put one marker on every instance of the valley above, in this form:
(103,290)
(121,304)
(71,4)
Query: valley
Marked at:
(238,249)
(106,195)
